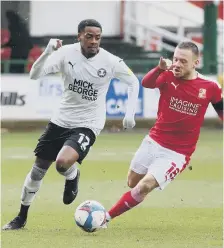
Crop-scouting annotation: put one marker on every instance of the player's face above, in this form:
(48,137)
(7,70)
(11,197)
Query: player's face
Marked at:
(90,41)
(184,63)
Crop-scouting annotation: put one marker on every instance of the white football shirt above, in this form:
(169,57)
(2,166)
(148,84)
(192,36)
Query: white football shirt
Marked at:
(86,83)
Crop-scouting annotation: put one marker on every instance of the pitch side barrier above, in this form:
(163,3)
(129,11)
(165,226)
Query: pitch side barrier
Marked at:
(27,103)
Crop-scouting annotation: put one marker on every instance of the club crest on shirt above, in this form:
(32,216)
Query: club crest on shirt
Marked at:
(101,72)
(202,93)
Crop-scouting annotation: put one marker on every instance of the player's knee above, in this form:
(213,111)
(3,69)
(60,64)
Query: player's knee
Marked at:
(131,183)
(62,164)
(64,161)
(133,178)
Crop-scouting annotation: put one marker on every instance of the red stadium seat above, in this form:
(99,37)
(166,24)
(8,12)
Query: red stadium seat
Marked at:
(5,53)
(5,36)
(34,54)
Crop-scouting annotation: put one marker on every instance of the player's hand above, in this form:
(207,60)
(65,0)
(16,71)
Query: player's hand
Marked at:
(128,122)
(53,45)
(165,64)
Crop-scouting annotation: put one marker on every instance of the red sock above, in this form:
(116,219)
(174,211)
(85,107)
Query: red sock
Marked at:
(124,204)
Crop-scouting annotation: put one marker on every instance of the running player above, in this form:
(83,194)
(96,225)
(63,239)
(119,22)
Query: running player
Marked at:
(163,154)
(86,70)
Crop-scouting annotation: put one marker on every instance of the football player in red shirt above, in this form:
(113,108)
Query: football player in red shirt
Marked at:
(165,152)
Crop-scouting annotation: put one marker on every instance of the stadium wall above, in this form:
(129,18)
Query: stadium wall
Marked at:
(31,103)
(62,18)
(58,17)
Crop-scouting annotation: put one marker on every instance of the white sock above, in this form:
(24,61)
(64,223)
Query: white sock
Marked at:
(29,190)
(71,172)
(108,216)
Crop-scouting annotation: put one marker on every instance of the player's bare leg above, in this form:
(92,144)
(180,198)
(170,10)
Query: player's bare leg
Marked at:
(133,178)
(65,165)
(133,197)
(31,185)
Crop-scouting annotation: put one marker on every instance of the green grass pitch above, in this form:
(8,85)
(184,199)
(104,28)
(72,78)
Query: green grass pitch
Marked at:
(187,214)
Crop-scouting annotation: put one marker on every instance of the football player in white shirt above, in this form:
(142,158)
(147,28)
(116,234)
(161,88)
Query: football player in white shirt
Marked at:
(86,70)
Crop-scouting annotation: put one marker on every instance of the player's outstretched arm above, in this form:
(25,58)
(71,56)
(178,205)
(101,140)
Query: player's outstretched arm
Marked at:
(124,74)
(133,91)
(40,68)
(155,78)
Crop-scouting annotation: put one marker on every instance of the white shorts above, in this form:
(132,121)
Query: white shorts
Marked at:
(164,164)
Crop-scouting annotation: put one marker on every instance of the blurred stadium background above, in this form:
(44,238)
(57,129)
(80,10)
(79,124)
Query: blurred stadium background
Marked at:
(189,212)
(137,31)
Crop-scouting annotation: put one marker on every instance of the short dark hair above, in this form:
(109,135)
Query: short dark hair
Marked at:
(88,23)
(189,45)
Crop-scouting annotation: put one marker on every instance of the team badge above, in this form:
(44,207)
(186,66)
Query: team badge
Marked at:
(202,93)
(101,72)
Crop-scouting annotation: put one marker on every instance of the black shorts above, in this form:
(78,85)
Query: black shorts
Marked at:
(55,137)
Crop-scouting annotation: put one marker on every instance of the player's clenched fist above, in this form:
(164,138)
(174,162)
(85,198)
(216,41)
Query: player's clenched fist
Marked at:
(53,45)
(165,64)
(128,122)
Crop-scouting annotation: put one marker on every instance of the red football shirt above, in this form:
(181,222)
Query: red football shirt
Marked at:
(181,110)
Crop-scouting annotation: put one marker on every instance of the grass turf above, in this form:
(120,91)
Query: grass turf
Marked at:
(188,213)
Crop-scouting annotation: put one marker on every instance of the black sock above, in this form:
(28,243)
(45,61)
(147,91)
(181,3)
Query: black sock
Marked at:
(23,211)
